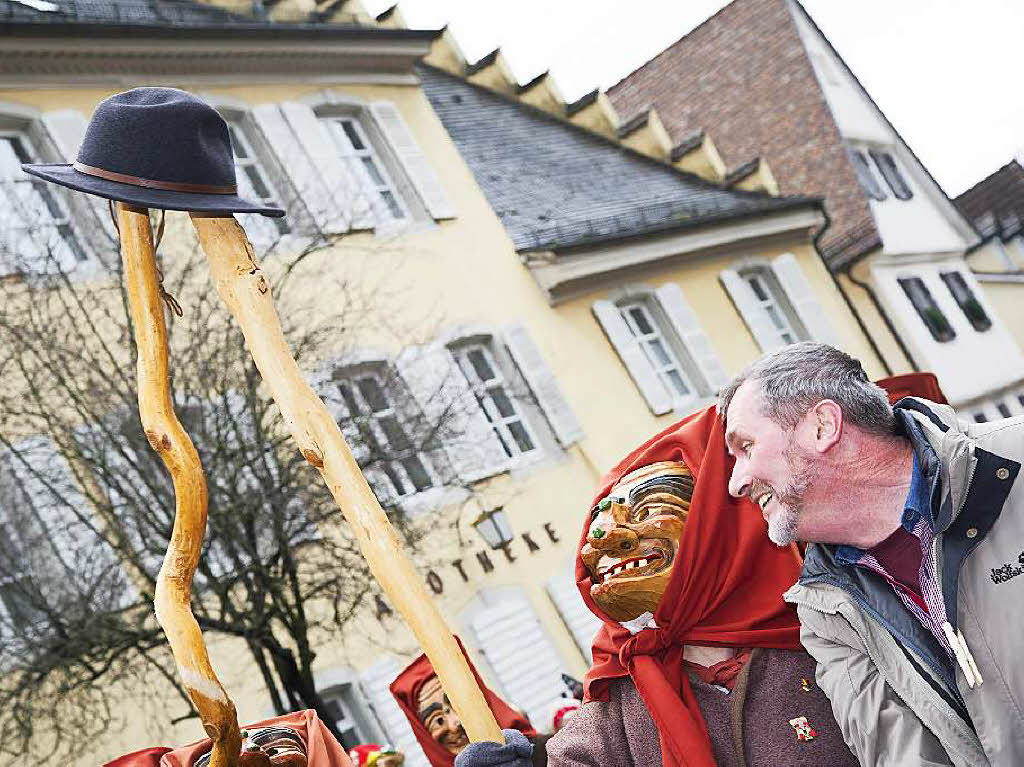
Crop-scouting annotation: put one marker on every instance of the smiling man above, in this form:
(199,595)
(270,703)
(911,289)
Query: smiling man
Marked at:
(905,597)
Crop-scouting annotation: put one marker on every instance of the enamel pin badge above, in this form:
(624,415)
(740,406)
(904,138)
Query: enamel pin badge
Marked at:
(803,728)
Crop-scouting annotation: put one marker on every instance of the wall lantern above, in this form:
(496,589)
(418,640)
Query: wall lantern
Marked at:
(494,528)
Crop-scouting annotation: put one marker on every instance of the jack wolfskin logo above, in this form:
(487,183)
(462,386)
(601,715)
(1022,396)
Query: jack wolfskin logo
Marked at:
(1008,571)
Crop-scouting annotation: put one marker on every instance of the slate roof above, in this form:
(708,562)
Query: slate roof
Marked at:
(556,185)
(995,205)
(118,12)
(166,17)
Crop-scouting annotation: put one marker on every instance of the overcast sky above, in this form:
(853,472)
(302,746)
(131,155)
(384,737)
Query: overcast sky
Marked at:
(947,73)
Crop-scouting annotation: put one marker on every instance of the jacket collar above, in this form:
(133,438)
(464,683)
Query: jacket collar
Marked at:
(944,451)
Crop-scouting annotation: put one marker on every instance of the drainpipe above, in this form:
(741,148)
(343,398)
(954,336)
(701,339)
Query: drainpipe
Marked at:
(849,304)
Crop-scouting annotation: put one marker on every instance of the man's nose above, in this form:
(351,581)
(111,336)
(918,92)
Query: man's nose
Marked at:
(739,480)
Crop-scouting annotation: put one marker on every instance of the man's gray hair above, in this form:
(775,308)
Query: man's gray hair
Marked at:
(795,378)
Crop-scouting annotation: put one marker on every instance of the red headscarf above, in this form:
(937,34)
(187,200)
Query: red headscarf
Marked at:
(725,591)
(406,689)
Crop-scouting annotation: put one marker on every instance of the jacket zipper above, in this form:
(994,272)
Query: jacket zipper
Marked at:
(955,637)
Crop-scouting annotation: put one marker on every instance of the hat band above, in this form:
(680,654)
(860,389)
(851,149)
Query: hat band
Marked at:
(170,186)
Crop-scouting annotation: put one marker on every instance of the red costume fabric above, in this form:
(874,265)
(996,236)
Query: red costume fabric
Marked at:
(725,591)
(924,385)
(322,749)
(406,689)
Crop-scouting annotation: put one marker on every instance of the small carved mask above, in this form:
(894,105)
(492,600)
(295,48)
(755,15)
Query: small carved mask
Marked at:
(439,718)
(634,537)
(282,746)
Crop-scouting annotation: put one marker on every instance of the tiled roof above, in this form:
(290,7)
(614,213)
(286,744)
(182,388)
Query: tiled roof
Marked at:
(554,184)
(995,205)
(743,76)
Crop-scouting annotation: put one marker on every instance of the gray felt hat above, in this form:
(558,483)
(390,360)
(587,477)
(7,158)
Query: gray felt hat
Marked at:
(157,148)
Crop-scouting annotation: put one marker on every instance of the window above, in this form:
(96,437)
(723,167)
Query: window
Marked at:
(965,298)
(866,176)
(927,309)
(1020,399)
(252,180)
(656,348)
(35,229)
(979,417)
(496,398)
(371,407)
(342,705)
(771,303)
(891,173)
(352,143)
(1004,411)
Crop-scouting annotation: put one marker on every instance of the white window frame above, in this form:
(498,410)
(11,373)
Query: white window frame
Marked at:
(867,174)
(774,304)
(921,301)
(659,335)
(360,159)
(370,418)
(484,393)
(252,160)
(62,225)
(906,191)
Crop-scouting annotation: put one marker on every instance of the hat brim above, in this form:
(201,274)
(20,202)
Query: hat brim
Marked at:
(66,175)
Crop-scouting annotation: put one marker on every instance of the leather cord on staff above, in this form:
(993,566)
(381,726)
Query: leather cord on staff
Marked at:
(171,301)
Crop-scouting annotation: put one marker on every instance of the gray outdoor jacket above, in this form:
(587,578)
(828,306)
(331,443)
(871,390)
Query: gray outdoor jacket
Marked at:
(895,693)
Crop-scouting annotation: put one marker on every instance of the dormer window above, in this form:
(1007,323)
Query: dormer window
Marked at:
(866,175)
(891,173)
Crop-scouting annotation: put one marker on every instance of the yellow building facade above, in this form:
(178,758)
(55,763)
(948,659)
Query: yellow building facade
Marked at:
(574,340)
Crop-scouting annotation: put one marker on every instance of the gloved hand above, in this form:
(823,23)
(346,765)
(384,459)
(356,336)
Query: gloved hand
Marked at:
(516,752)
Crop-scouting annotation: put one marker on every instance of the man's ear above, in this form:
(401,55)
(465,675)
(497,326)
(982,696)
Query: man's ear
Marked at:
(826,422)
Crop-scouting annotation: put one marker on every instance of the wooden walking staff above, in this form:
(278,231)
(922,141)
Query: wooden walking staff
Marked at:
(168,438)
(244,289)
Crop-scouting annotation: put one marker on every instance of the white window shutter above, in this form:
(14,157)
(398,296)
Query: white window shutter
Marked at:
(758,322)
(415,163)
(807,307)
(526,663)
(342,189)
(633,357)
(582,623)
(302,169)
(443,393)
(542,383)
(696,341)
(66,127)
(375,683)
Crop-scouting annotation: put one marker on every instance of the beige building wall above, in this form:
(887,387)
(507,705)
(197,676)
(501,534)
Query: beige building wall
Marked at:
(430,281)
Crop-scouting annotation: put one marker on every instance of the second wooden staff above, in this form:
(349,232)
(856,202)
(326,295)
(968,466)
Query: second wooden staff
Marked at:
(243,287)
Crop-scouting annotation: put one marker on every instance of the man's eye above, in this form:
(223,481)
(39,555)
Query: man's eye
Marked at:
(745,447)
